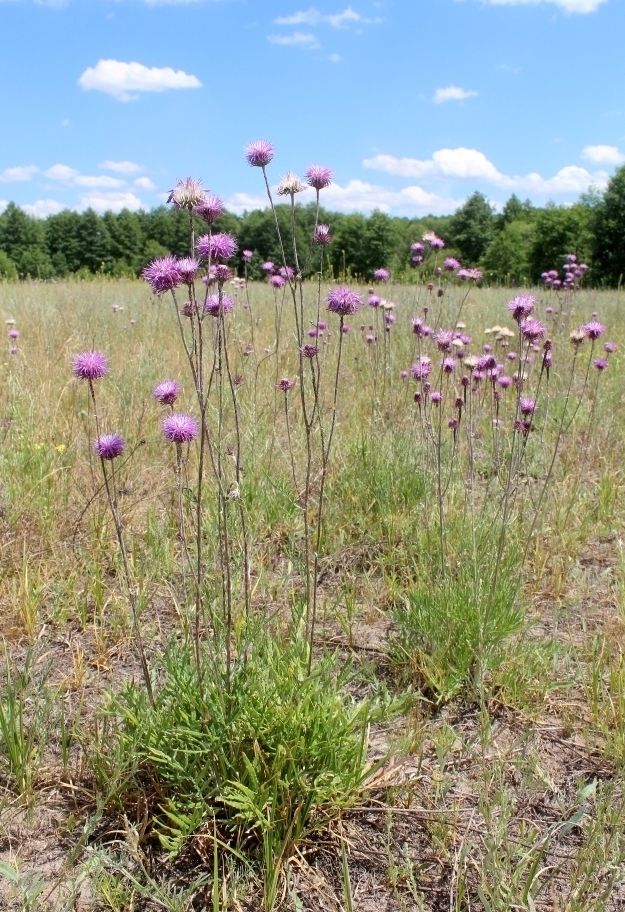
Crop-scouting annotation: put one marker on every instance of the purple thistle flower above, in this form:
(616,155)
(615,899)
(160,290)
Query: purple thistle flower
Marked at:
(369,338)
(451,264)
(221,272)
(285,384)
(91,365)
(389,317)
(522,306)
(600,363)
(318,176)
(532,329)
(594,329)
(216,246)
(443,339)
(109,446)
(436,397)
(422,369)
(268,266)
(247,255)
(416,260)
(313,333)
(436,243)
(13,350)
(214,306)
(470,275)
(505,382)
(527,406)
(166,392)
(322,324)
(259,153)
(322,235)
(374,300)
(163,274)
(13,334)
(188,309)
(381,275)
(343,301)
(286,272)
(209,208)
(309,351)
(277,281)
(345,328)
(186,194)
(449,365)
(188,267)
(417,247)
(610,347)
(179,428)
(453,424)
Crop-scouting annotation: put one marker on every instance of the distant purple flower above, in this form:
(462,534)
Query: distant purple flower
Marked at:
(214,306)
(322,324)
(522,306)
(259,153)
(343,301)
(527,406)
(345,328)
(610,347)
(389,317)
(166,392)
(109,446)
(511,356)
(449,365)
(216,246)
(186,194)
(570,258)
(318,176)
(436,397)
(594,329)
(419,328)
(91,365)
(179,428)
(322,235)
(453,424)
(13,350)
(163,274)
(532,329)
(247,255)
(286,272)
(470,275)
(309,351)
(421,370)
(313,333)
(13,334)
(221,272)
(285,384)
(436,243)
(381,275)
(276,281)
(369,338)
(374,300)
(209,208)
(443,339)
(268,266)
(416,260)
(417,248)
(600,363)
(451,264)
(188,309)
(188,267)
(505,382)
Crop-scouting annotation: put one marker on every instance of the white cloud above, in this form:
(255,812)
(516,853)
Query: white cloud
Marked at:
(603,155)
(471,164)
(335,58)
(66,175)
(121,167)
(21,173)
(452,93)
(313,16)
(43,208)
(115,202)
(569,6)
(122,79)
(144,183)
(297,39)
(3,205)
(245,202)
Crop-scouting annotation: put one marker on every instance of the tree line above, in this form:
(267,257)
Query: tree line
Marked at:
(512,247)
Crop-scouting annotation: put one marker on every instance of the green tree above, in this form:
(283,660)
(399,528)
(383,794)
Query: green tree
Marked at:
(507,260)
(7,267)
(471,228)
(23,239)
(63,241)
(126,240)
(559,230)
(609,232)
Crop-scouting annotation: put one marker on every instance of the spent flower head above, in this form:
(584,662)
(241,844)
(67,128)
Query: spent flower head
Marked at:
(186,194)
(290,184)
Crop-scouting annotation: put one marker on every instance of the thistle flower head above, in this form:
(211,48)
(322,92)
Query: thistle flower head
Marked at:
(527,406)
(522,306)
(318,176)
(577,336)
(610,347)
(290,184)
(109,446)
(451,264)
(214,306)
(247,255)
(188,267)
(13,334)
(374,300)
(343,301)
(285,385)
(90,365)
(186,194)
(163,274)
(470,275)
(322,235)
(593,329)
(444,339)
(209,208)
(436,397)
(422,369)
(286,272)
(381,275)
(600,363)
(532,329)
(277,281)
(259,153)
(166,392)
(179,428)
(219,246)
(448,365)
(268,266)
(309,351)
(417,248)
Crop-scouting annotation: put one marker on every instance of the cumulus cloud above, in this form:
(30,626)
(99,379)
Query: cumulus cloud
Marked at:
(569,6)
(43,208)
(144,183)
(313,16)
(471,164)
(15,175)
(115,202)
(3,205)
(121,167)
(297,39)
(452,93)
(603,155)
(122,80)
(66,175)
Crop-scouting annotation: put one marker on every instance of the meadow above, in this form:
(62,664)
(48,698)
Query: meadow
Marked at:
(358,644)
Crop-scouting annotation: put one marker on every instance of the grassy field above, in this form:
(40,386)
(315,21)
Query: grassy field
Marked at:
(393,678)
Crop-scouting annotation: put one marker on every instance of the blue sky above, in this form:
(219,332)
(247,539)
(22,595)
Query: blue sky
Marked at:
(414,104)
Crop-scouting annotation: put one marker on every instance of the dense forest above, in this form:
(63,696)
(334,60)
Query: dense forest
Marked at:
(512,247)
